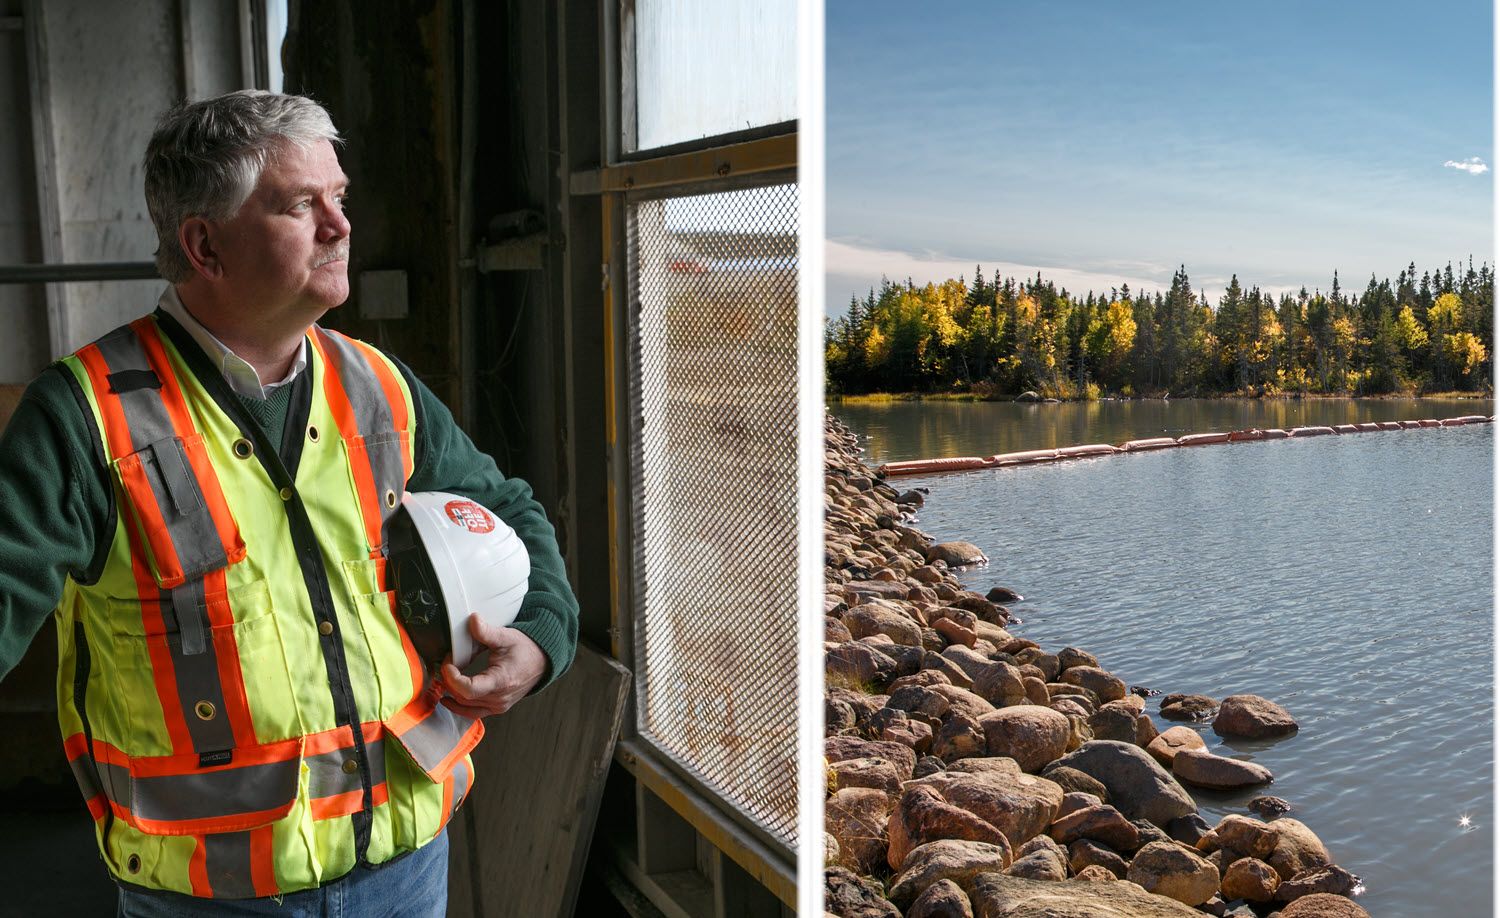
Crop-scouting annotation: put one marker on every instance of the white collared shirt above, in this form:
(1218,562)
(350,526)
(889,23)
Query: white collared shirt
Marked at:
(240,375)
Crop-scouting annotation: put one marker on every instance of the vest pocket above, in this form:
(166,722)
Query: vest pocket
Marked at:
(184,526)
(428,747)
(398,671)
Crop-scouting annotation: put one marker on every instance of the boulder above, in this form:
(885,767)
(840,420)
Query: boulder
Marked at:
(943,899)
(999,896)
(847,895)
(838,716)
(908,732)
(946,859)
(1093,873)
(1003,595)
(959,737)
(1171,740)
(1112,723)
(1187,829)
(1032,735)
(1071,779)
(1145,730)
(1268,807)
(834,631)
(857,817)
(1069,657)
(1000,684)
(1040,865)
(1205,769)
(1105,686)
(839,748)
(1073,801)
(927,765)
(1253,717)
(926,678)
(956,554)
(1168,869)
(1250,879)
(881,774)
(922,816)
(1178,706)
(853,664)
(1331,879)
(1323,905)
(1021,806)
(1085,853)
(1137,786)
(918,699)
(1246,835)
(955,633)
(1101,823)
(1036,691)
(963,700)
(1297,848)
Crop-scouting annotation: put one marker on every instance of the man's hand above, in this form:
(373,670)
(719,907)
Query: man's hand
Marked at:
(516,665)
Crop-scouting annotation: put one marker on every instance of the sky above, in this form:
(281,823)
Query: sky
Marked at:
(1102,142)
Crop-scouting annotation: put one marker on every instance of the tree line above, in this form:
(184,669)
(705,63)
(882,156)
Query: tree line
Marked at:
(1002,337)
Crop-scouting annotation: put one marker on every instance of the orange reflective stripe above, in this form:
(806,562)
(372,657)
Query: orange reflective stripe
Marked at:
(434,736)
(208,480)
(198,868)
(263,861)
(227,656)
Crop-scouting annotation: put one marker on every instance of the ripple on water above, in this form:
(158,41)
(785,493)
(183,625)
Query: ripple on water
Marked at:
(1346,578)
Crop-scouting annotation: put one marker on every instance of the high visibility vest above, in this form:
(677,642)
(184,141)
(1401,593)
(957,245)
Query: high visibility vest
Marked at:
(239,704)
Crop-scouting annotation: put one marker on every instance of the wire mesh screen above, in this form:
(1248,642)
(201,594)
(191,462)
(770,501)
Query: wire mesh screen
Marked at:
(714,458)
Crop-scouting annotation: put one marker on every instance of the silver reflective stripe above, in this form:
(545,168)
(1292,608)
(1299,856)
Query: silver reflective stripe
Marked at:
(227,862)
(431,739)
(372,412)
(197,674)
(189,618)
(83,773)
(326,776)
(116,781)
(460,784)
(144,409)
(213,794)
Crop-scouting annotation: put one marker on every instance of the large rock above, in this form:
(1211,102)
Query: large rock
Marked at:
(1021,806)
(1172,740)
(1031,735)
(882,617)
(923,816)
(1206,769)
(999,896)
(956,554)
(1178,706)
(1168,869)
(1069,657)
(857,817)
(881,774)
(1043,864)
(1246,836)
(1071,779)
(1250,879)
(946,859)
(842,748)
(1253,717)
(1137,786)
(1297,848)
(962,700)
(853,664)
(959,737)
(846,895)
(1113,723)
(1106,686)
(1331,879)
(1322,905)
(1084,853)
(1101,823)
(943,899)
(1000,684)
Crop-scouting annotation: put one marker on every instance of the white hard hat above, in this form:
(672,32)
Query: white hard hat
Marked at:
(448,557)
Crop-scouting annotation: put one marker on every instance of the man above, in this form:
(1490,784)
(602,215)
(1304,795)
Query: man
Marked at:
(201,496)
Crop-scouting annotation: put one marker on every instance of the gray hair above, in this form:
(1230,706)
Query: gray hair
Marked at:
(205,158)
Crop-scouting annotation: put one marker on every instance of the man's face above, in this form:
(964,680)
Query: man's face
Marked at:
(286,253)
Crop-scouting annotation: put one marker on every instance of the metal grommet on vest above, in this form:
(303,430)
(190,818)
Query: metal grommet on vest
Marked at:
(286,493)
(312,432)
(390,498)
(204,710)
(243,448)
(351,766)
(133,863)
(325,628)
(448,557)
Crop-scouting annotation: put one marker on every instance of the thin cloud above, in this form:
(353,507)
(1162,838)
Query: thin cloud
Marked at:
(1473,165)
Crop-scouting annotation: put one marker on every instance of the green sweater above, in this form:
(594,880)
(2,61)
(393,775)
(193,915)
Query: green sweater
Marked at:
(56,508)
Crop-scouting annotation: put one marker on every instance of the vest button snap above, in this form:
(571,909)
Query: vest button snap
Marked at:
(312,432)
(133,863)
(325,628)
(204,710)
(350,766)
(286,493)
(390,498)
(243,448)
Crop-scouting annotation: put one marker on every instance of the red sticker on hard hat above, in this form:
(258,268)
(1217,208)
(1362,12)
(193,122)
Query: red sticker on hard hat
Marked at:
(469,515)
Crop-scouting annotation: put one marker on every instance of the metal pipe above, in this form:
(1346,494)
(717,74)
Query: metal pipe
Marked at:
(78,273)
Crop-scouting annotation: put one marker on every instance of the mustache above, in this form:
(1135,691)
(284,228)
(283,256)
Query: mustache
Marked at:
(339,253)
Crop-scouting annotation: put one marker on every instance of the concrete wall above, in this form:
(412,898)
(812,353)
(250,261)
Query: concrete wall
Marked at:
(23,309)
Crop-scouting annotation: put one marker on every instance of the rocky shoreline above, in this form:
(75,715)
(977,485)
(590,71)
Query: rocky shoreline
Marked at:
(972,773)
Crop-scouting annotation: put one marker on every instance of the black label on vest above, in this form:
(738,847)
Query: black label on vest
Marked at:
(206,759)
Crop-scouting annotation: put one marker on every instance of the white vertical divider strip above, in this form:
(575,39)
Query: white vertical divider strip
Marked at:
(1495,474)
(811,780)
(48,187)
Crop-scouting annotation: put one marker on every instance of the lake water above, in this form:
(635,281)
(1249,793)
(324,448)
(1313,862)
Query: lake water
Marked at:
(1348,578)
(931,430)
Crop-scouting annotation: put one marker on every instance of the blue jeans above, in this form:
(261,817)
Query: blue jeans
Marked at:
(415,886)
